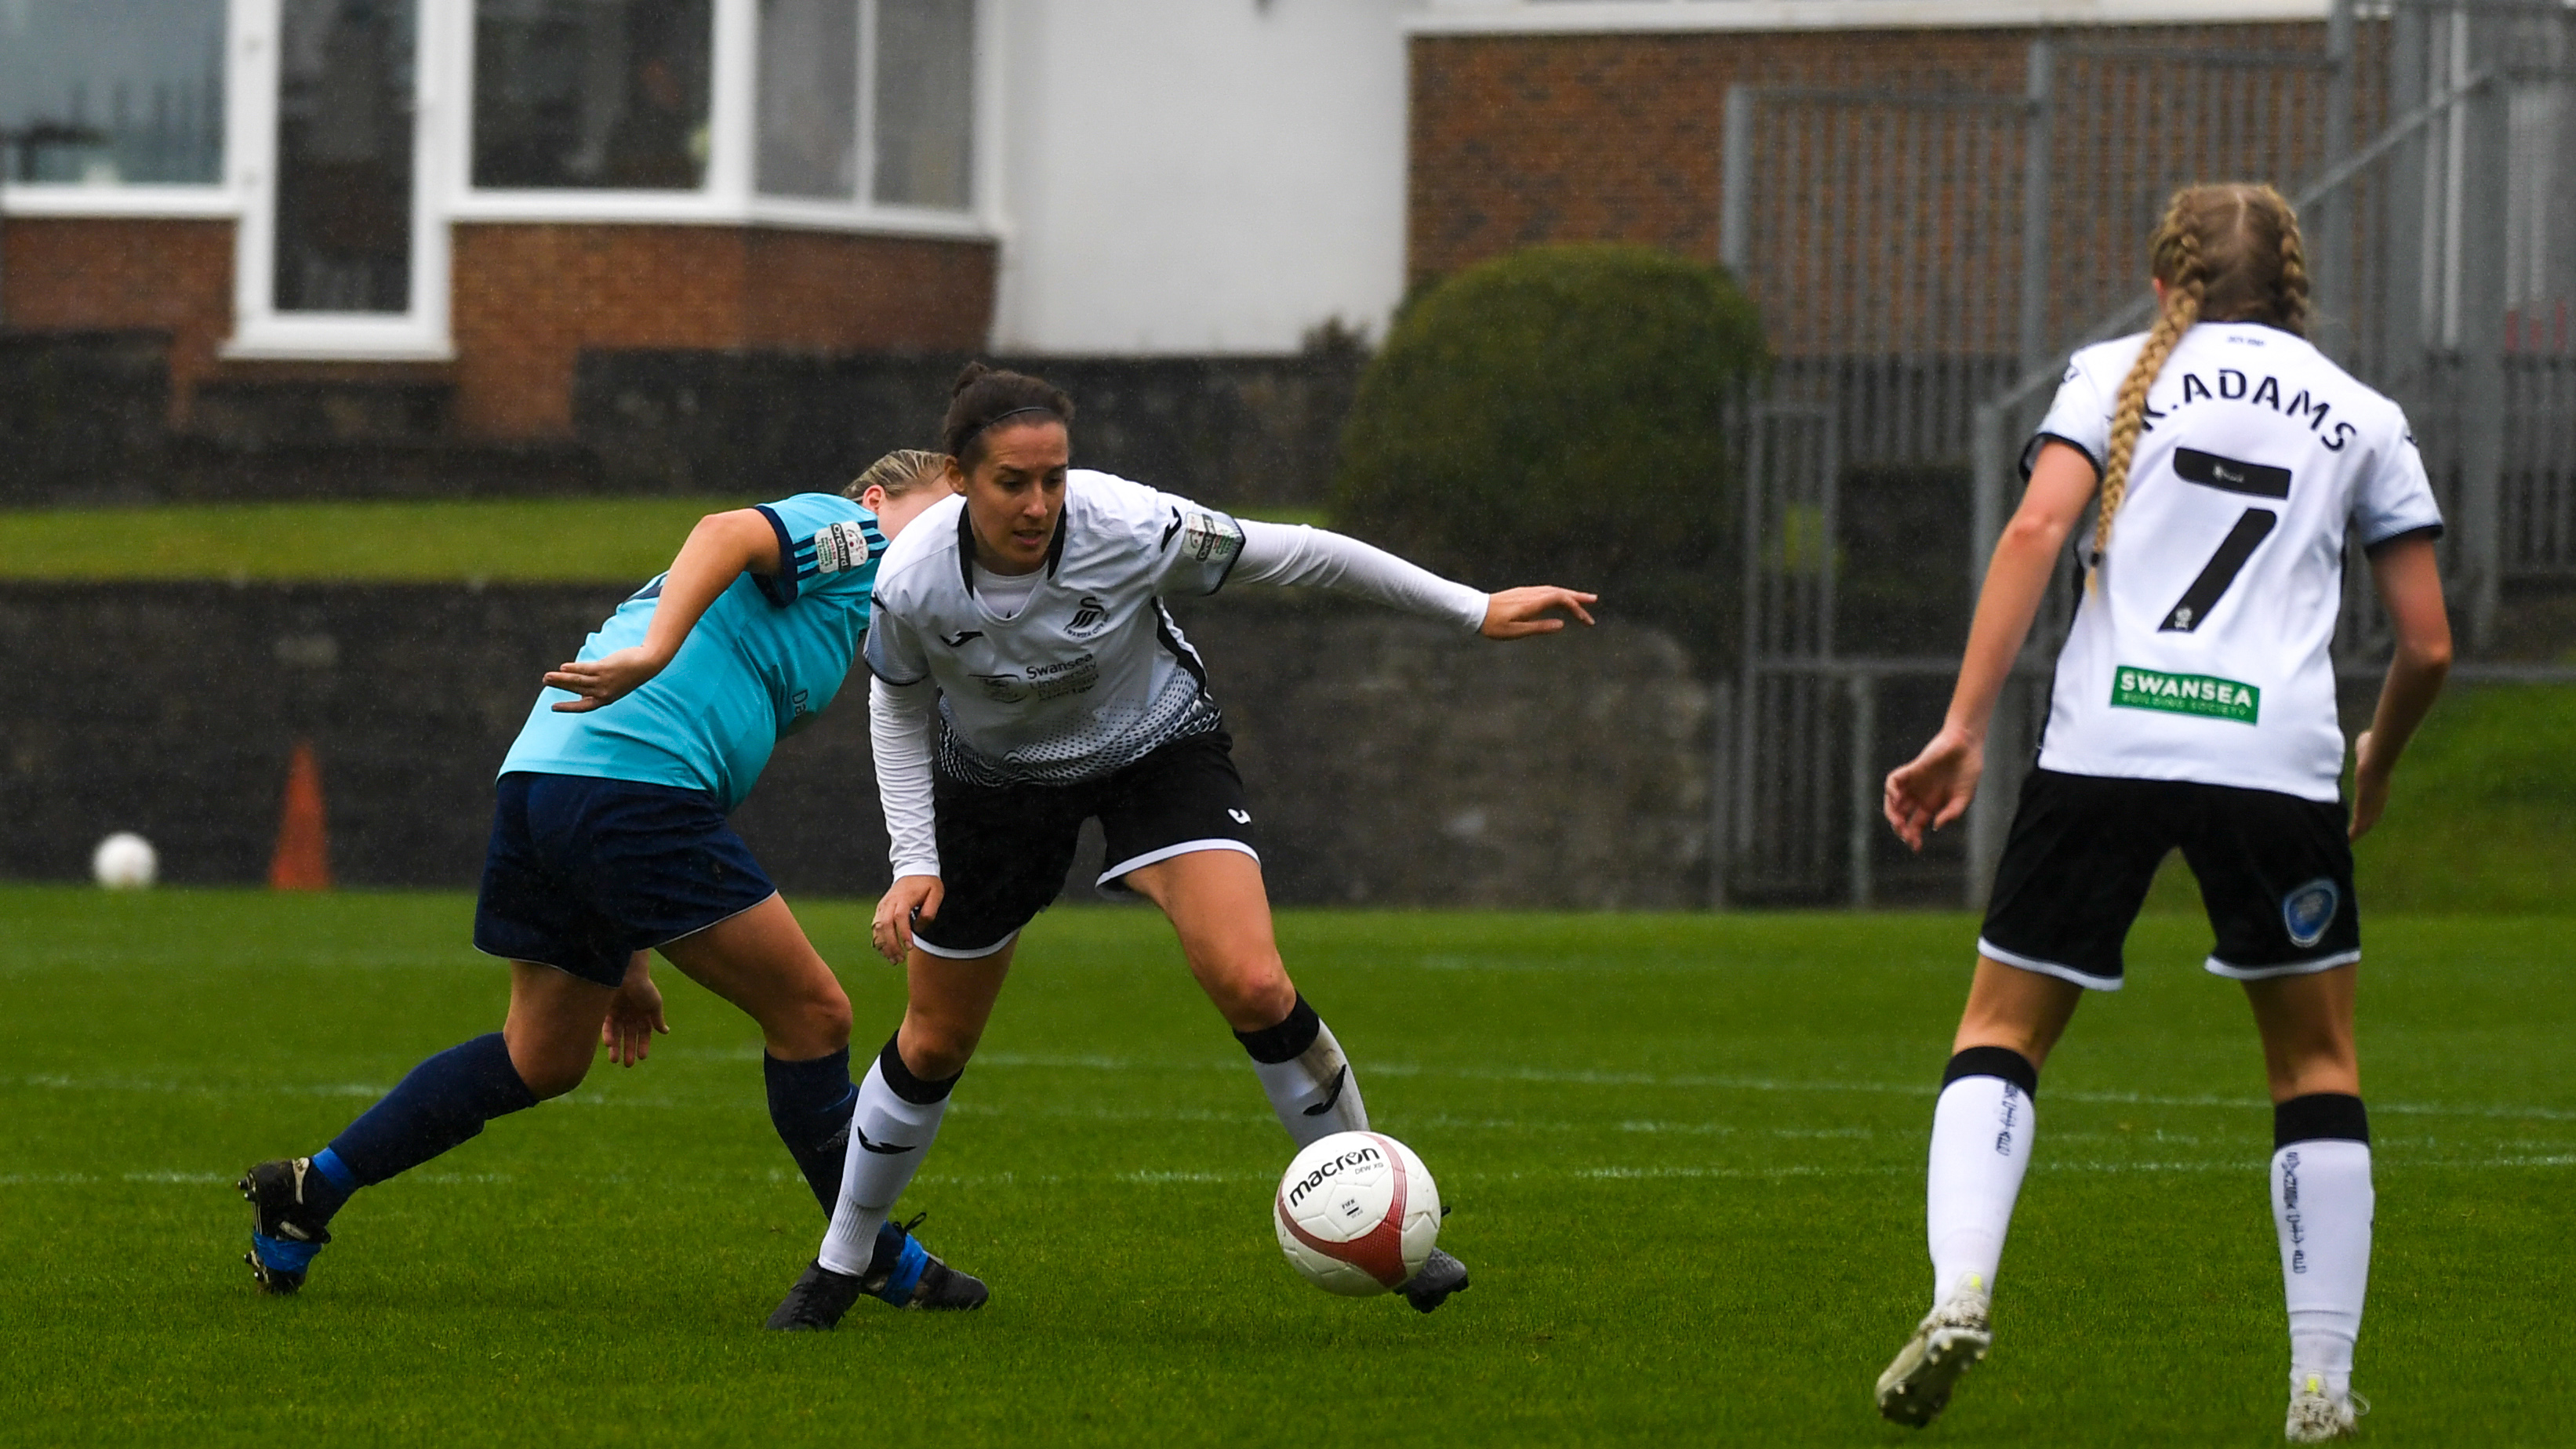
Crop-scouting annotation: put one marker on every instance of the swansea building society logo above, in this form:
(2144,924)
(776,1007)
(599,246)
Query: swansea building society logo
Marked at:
(2194,694)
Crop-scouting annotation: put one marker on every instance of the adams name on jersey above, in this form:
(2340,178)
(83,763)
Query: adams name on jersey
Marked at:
(2204,651)
(1091,672)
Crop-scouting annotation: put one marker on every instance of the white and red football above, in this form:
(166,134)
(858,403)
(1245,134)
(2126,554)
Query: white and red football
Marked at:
(1357,1213)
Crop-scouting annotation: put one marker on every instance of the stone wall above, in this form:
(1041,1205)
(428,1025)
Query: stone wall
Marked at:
(1389,760)
(1233,430)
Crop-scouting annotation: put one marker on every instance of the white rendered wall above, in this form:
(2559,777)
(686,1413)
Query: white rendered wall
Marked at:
(1190,176)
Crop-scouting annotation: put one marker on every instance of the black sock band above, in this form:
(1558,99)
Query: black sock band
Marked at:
(1287,1041)
(1994,1061)
(907,1086)
(2320,1117)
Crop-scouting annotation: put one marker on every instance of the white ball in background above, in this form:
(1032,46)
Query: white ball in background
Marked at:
(125,862)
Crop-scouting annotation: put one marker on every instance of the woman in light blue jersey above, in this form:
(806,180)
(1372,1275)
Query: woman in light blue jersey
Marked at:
(609,841)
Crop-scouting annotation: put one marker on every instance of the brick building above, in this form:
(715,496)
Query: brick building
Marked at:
(409,209)
(1606,120)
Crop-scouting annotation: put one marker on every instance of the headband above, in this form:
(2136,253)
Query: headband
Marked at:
(998,419)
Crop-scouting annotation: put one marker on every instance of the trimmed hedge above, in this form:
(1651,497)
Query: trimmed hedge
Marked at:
(1558,415)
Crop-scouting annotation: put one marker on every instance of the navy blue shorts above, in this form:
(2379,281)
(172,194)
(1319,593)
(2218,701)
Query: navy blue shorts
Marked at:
(583,873)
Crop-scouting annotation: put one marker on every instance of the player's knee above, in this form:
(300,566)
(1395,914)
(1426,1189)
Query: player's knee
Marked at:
(551,1074)
(827,1016)
(1252,993)
(936,1048)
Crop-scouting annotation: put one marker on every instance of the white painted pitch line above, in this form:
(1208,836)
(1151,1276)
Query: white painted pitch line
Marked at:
(1164,1177)
(1688,1082)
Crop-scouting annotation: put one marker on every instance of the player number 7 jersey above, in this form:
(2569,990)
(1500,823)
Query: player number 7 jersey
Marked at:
(2204,650)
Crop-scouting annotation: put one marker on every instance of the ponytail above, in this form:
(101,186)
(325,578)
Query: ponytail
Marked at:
(2225,254)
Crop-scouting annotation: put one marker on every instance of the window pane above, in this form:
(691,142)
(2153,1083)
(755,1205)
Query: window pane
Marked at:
(606,93)
(925,101)
(809,98)
(344,130)
(109,91)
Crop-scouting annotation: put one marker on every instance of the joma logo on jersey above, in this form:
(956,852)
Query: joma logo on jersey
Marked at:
(2185,694)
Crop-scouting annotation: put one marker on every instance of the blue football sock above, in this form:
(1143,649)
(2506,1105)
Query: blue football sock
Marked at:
(809,1104)
(445,1101)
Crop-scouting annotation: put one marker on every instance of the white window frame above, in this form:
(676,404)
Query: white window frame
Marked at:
(1571,17)
(260,330)
(730,194)
(217,200)
(443,192)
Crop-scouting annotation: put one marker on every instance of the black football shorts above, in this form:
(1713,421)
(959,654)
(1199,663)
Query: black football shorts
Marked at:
(1004,849)
(2275,875)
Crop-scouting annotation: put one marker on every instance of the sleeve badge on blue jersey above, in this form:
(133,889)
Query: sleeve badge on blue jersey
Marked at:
(1211,537)
(839,546)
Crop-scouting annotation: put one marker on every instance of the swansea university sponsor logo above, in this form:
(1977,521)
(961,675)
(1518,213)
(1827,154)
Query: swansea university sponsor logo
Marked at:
(1069,676)
(1347,1162)
(2307,911)
(2198,694)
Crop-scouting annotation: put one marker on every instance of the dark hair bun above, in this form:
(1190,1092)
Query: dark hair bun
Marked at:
(985,397)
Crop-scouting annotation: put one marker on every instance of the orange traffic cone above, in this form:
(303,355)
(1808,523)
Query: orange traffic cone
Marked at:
(303,859)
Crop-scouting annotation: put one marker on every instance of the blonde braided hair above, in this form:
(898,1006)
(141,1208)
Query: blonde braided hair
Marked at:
(900,472)
(2226,253)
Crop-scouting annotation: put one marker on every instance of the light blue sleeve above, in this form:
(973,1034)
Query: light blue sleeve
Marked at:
(826,544)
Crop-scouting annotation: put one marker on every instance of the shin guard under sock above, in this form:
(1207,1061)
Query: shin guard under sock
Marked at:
(1981,1134)
(1306,1077)
(2322,1203)
(443,1102)
(892,1127)
(809,1104)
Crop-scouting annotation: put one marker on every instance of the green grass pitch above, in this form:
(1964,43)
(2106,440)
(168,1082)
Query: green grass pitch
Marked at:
(1685,1155)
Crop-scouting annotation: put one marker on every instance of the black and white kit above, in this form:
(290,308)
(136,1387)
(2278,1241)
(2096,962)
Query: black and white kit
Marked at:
(1072,693)
(2194,704)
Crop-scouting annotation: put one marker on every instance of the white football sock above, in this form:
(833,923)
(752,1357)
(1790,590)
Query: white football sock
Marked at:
(1304,1074)
(1981,1132)
(889,1136)
(2321,1203)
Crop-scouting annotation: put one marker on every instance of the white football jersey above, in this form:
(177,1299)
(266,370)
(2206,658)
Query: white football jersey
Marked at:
(1091,672)
(2203,653)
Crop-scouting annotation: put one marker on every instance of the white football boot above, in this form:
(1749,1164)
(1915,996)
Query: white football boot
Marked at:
(1947,1343)
(2317,1417)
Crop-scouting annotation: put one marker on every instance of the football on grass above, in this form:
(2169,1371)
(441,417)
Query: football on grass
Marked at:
(1357,1213)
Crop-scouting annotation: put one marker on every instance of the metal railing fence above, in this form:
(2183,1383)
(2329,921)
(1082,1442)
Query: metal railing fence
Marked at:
(1924,261)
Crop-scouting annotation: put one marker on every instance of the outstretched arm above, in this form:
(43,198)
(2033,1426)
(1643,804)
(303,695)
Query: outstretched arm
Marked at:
(720,549)
(2411,588)
(1275,553)
(1935,788)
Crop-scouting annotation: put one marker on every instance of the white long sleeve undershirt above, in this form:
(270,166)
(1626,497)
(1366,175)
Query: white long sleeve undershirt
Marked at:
(900,715)
(1298,556)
